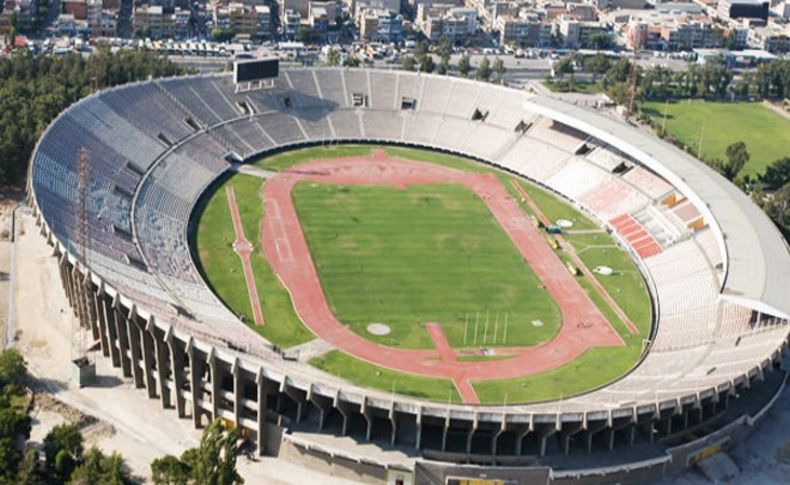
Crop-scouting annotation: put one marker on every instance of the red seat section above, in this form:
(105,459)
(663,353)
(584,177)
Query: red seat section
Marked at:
(640,240)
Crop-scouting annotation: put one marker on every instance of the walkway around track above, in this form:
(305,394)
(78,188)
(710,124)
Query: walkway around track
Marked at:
(243,248)
(571,252)
(583,325)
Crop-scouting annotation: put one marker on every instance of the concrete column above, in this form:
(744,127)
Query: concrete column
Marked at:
(368,417)
(101,310)
(499,432)
(520,438)
(345,411)
(470,436)
(323,404)
(237,394)
(195,384)
(569,429)
(90,305)
(133,334)
(445,431)
(295,395)
(123,339)
(393,416)
(263,395)
(418,424)
(112,331)
(215,384)
(593,428)
(177,370)
(148,358)
(162,366)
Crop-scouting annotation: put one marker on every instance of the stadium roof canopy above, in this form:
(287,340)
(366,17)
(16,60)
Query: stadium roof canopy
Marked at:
(757,271)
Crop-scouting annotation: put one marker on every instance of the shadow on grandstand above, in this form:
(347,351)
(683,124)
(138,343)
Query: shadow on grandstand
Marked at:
(301,106)
(3,276)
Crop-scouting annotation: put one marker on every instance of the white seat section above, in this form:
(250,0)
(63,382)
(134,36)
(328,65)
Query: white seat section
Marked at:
(648,182)
(576,179)
(534,159)
(612,198)
(330,82)
(435,93)
(385,90)
(557,134)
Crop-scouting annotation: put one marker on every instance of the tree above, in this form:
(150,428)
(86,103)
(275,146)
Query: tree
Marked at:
(777,174)
(499,70)
(408,63)
(483,71)
(62,450)
(427,64)
(351,61)
(420,49)
(597,65)
(444,65)
(98,468)
(216,457)
(305,34)
(14,424)
(563,66)
(12,367)
(29,470)
(620,71)
(211,463)
(737,156)
(600,41)
(464,66)
(169,470)
(778,208)
(333,57)
(222,35)
(444,47)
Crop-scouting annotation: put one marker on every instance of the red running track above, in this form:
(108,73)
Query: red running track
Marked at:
(243,248)
(284,245)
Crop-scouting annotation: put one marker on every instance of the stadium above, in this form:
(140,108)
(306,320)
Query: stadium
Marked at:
(122,182)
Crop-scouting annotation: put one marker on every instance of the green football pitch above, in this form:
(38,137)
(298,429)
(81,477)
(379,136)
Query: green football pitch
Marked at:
(719,124)
(423,254)
(430,253)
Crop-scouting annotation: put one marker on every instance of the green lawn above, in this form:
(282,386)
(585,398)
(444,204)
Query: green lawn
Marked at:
(365,374)
(223,270)
(594,368)
(424,254)
(564,86)
(766,134)
(625,285)
(554,208)
(285,160)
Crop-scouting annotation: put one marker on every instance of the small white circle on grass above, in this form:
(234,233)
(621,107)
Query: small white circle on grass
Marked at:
(379,329)
(603,270)
(564,223)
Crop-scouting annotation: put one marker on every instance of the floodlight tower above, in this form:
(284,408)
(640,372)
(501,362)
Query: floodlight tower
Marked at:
(83,368)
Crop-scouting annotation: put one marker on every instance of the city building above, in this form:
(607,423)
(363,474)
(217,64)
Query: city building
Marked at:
(252,20)
(290,21)
(528,29)
(774,38)
(380,25)
(575,34)
(446,20)
(322,15)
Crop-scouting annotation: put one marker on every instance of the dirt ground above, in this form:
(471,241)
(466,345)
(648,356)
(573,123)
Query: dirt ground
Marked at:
(112,413)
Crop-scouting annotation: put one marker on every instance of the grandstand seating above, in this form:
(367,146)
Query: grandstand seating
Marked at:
(140,184)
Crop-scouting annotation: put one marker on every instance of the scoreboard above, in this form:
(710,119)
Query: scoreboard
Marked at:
(250,70)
